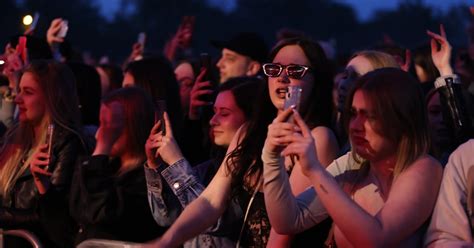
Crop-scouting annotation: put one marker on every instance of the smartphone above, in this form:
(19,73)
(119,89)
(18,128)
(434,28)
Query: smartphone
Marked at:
(64,28)
(160,109)
(141,39)
(205,60)
(293,98)
(49,140)
(22,48)
(35,22)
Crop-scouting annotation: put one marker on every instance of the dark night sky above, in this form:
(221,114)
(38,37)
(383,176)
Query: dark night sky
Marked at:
(364,8)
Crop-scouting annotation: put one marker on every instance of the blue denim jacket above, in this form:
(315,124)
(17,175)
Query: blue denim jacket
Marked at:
(183,185)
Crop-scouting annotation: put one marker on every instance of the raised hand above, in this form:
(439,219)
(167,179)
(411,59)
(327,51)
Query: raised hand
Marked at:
(52,33)
(199,90)
(162,146)
(185,32)
(137,52)
(277,130)
(39,168)
(112,123)
(301,145)
(14,66)
(441,51)
(181,39)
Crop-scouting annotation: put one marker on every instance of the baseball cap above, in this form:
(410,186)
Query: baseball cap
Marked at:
(246,43)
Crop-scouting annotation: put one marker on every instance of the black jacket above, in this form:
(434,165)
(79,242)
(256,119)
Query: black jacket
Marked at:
(47,215)
(108,206)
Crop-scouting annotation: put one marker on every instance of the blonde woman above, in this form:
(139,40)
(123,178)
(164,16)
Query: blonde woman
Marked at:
(34,183)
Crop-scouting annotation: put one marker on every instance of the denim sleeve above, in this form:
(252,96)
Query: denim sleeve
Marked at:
(183,182)
(164,205)
(187,186)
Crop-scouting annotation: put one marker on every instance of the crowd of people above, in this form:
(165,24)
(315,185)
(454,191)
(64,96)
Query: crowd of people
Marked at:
(262,147)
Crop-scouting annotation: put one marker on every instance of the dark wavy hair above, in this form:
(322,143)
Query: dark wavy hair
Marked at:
(244,161)
(245,91)
(156,76)
(318,111)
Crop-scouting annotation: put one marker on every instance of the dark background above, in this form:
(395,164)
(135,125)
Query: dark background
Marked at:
(90,31)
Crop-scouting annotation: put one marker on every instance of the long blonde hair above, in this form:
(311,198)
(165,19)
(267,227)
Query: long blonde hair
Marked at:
(58,85)
(378,59)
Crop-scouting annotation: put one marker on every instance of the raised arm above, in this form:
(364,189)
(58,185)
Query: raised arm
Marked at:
(327,149)
(286,214)
(205,210)
(179,178)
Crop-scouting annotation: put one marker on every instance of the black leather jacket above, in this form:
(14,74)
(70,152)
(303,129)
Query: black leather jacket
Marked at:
(46,215)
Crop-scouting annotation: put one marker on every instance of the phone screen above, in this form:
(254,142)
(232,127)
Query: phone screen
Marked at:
(160,109)
(64,28)
(206,63)
(49,140)
(35,21)
(293,96)
(141,39)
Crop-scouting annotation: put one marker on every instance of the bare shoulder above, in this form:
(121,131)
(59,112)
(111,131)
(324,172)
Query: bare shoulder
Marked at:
(323,133)
(424,168)
(427,163)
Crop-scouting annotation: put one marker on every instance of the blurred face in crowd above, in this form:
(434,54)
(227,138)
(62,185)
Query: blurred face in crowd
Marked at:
(366,139)
(290,55)
(356,67)
(112,123)
(233,64)
(128,80)
(440,133)
(31,100)
(185,77)
(227,119)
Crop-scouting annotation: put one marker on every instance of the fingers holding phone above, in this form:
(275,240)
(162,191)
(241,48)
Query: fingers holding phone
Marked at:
(39,164)
(167,148)
(57,31)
